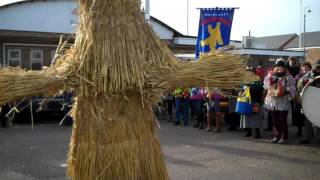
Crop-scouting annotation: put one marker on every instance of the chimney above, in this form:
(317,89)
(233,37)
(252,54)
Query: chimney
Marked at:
(147,10)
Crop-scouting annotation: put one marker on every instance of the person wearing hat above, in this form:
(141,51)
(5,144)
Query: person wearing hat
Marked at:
(309,130)
(280,87)
(293,66)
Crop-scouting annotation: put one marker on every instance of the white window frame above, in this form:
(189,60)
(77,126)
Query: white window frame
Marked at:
(33,60)
(14,59)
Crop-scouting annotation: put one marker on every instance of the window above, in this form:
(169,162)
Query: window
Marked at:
(36,59)
(14,57)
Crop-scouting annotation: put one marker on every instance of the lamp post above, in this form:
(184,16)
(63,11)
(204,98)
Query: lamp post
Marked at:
(306,10)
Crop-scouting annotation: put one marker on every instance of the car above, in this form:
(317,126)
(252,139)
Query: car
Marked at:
(58,106)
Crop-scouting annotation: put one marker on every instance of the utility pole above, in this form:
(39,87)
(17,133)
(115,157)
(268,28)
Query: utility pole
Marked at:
(147,10)
(306,10)
(187,17)
(300,17)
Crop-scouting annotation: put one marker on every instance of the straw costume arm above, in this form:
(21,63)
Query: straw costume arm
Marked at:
(225,71)
(17,84)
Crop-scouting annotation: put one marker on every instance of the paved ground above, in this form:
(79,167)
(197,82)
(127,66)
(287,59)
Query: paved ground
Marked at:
(190,154)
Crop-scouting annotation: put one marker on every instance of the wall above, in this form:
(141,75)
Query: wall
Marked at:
(313,55)
(162,31)
(25,54)
(46,16)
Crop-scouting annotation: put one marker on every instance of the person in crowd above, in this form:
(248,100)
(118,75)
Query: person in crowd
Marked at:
(4,122)
(268,112)
(280,88)
(294,69)
(253,121)
(193,102)
(178,99)
(183,103)
(169,101)
(260,72)
(232,117)
(305,68)
(293,66)
(216,97)
(198,97)
(298,118)
(209,106)
(309,130)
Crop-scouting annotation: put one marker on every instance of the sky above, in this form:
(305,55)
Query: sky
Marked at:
(261,17)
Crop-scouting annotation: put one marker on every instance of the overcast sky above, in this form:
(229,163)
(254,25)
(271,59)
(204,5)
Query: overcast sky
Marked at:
(262,17)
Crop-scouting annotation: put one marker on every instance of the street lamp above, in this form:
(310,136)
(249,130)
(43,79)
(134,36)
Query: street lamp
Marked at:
(306,10)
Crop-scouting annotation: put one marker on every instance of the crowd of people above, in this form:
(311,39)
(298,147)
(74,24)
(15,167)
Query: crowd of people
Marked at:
(272,96)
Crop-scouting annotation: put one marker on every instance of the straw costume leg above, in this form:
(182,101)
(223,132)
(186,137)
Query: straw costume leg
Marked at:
(114,139)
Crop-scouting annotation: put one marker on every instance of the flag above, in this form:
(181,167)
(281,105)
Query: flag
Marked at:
(214,29)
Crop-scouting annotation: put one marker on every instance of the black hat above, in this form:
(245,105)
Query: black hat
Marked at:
(280,63)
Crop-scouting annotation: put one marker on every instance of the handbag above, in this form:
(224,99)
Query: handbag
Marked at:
(244,105)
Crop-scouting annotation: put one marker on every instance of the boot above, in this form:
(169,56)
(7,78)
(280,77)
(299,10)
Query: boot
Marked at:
(257,135)
(249,132)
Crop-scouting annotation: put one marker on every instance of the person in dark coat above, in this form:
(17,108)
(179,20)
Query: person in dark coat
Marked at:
(293,66)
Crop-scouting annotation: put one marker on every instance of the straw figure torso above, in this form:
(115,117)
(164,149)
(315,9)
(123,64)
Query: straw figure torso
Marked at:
(118,69)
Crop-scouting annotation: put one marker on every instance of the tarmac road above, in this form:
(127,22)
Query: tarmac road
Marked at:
(190,154)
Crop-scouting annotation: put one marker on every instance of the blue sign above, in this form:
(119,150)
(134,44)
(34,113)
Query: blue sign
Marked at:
(214,29)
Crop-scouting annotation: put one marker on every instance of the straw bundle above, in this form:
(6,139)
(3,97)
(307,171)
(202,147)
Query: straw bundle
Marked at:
(115,140)
(113,136)
(119,68)
(225,71)
(117,49)
(16,84)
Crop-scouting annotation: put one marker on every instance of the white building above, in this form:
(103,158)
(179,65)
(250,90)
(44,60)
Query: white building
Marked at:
(30,31)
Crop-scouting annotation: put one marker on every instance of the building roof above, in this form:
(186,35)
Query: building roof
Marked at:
(286,41)
(176,33)
(312,40)
(274,42)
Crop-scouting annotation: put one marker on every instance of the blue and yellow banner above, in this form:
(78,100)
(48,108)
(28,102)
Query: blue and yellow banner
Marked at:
(214,29)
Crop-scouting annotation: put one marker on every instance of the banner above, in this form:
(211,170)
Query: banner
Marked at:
(214,29)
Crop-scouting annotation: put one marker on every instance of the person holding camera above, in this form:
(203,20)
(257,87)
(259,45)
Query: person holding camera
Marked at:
(280,87)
